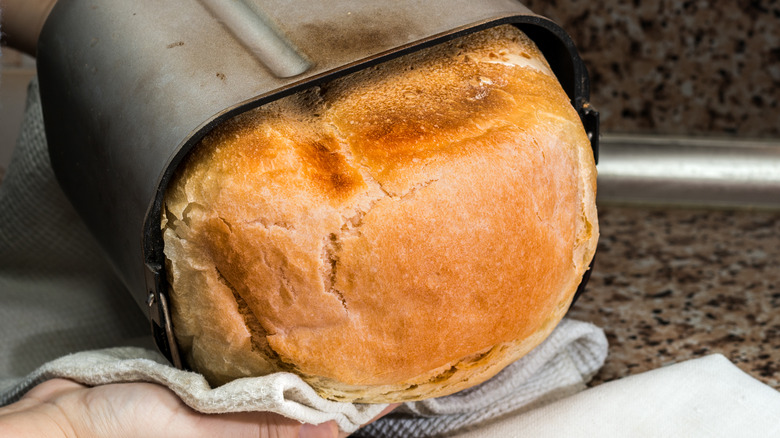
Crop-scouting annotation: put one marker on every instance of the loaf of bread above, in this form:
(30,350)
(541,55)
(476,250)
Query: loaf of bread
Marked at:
(401,233)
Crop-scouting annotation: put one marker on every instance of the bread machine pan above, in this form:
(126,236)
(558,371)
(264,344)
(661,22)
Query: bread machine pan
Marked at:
(128,87)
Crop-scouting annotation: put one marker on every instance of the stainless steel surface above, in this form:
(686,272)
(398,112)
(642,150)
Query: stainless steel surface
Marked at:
(251,28)
(718,172)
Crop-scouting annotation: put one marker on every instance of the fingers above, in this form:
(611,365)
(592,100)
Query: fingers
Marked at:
(324,430)
(250,424)
(37,412)
(150,410)
(22,21)
(384,412)
(52,389)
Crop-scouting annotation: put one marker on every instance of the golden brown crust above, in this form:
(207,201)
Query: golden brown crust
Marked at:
(402,233)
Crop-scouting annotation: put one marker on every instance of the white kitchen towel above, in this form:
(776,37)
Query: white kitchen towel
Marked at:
(282,393)
(560,366)
(63,313)
(708,397)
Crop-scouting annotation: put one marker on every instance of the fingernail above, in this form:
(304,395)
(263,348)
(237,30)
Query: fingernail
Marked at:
(324,430)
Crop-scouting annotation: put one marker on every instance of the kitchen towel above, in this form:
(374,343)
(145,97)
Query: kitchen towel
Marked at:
(61,306)
(707,397)
(557,368)
(560,366)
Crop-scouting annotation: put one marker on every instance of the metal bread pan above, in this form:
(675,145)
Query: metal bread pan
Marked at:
(128,87)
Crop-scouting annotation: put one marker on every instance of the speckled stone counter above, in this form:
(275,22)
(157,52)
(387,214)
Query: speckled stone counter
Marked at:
(675,284)
(678,67)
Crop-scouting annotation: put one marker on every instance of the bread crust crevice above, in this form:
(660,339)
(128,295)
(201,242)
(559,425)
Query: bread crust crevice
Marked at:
(401,233)
(331,247)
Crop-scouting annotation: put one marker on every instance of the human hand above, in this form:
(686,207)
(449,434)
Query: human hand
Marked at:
(22,21)
(63,408)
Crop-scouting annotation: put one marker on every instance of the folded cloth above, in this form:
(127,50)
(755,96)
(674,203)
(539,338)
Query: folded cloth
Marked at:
(282,393)
(62,306)
(560,366)
(707,397)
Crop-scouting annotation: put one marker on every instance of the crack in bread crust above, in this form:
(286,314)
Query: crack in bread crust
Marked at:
(353,221)
(331,247)
(347,234)
(257,331)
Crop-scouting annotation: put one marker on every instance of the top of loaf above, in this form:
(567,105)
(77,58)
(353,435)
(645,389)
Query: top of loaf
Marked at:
(402,232)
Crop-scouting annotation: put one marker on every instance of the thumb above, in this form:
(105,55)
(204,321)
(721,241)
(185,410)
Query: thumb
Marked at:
(328,429)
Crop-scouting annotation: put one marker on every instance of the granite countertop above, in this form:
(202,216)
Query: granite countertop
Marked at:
(672,284)
(678,68)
